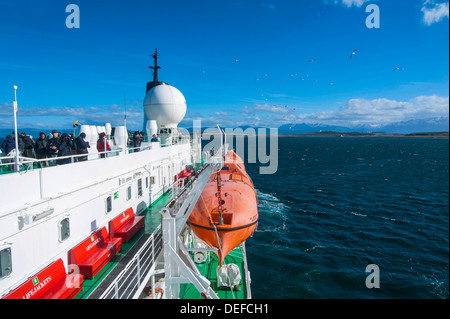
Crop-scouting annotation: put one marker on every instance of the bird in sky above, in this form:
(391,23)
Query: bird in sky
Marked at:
(398,69)
(312,60)
(353,53)
(331,83)
(235,60)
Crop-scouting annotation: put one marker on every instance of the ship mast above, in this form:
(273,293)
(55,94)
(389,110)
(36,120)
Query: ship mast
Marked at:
(155,67)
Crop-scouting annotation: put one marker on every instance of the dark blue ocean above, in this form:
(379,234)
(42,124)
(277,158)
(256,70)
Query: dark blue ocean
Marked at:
(336,205)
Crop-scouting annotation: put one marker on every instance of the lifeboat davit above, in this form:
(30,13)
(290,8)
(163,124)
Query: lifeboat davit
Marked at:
(226,213)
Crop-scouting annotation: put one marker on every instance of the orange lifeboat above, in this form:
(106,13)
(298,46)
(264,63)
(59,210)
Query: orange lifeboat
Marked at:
(226,213)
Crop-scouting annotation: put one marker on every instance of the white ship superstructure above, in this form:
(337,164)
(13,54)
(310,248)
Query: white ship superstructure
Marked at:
(47,213)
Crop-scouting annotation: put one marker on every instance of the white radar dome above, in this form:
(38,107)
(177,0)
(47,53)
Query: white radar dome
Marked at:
(165,104)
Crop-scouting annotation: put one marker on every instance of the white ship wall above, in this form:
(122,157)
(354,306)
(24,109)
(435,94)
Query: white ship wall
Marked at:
(78,191)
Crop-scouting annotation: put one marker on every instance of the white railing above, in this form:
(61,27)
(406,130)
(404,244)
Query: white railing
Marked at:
(132,279)
(28,161)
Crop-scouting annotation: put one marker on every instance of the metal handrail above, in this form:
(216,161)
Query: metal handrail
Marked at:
(123,287)
(28,160)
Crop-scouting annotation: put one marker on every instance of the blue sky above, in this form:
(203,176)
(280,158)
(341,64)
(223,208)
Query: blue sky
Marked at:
(65,74)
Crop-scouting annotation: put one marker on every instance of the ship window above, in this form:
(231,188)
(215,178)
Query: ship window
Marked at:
(64,229)
(108,204)
(139,187)
(5,262)
(129,193)
(146,182)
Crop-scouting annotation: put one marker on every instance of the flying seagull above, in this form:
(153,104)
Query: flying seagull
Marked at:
(353,53)
(312,60)
(235,60)
(398,69)
(331,83)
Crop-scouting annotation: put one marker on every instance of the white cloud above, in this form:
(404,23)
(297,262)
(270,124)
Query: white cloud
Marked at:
(355,113)
(268,5)
(62,116)
(356,3)
(434,12)
(220,113)
(348,3)
(270,108)
(380,112)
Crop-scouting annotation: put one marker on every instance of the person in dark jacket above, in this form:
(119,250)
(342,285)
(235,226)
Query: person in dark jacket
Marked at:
(53,146)
(81,146)
(19,141)
(8,145)
(41,149)
(28,147)
(137,140)
(65,149)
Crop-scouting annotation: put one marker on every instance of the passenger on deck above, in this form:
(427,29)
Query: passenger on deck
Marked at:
(137,140)
(101,143)
(28,147)
(81,146)
(53,146)
(41,149)
(65,149)
(8,145)
(19,141)
(154,138)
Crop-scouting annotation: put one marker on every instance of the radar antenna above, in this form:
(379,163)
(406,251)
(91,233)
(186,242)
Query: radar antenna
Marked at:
(155,67)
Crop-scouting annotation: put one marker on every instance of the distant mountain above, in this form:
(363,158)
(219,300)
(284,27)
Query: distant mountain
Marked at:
(437,124)
(312,128)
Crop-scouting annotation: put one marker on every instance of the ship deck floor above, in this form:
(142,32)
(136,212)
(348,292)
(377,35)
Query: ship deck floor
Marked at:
(208,270)
(152,221)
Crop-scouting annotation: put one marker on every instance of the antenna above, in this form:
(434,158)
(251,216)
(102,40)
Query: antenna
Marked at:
(155,67)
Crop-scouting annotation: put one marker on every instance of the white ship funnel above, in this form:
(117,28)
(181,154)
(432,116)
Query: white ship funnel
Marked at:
(86,130)
(108,129)
(94,136)
(121,136)
(153,128)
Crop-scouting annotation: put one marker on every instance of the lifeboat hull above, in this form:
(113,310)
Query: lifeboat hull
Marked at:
(227,225)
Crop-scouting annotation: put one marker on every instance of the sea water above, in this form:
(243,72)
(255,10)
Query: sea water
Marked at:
(337,205)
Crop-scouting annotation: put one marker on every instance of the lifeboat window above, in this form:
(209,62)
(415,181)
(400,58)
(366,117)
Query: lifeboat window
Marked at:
(64,229)
(225,168)
(139,187)
(5,262)
(108,204)
(129,193)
